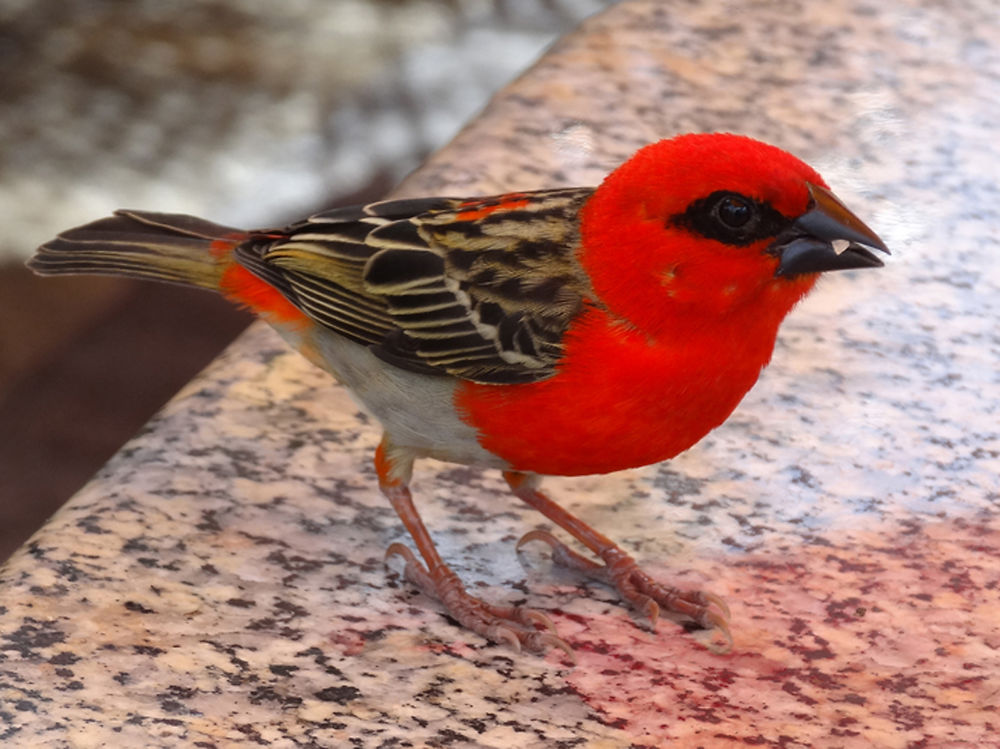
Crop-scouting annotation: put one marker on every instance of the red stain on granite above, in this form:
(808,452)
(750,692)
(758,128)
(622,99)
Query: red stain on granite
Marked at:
(817,648)
(347,641)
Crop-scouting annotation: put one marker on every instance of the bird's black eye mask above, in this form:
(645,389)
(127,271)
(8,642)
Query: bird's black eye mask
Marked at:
(731,218)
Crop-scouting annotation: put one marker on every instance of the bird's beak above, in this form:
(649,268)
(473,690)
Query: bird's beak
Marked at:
(826,237)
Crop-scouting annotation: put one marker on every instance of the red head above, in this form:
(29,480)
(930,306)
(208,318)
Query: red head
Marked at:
(699,226)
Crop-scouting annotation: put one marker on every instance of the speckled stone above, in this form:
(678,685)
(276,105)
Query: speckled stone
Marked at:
(221,583)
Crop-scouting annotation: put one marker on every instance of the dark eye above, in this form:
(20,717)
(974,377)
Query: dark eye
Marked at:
(734,212)
(731,218)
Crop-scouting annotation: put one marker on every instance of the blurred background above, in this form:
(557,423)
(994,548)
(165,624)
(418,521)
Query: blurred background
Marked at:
(246,112)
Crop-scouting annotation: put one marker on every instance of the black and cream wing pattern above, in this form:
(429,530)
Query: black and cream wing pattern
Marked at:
(480,289)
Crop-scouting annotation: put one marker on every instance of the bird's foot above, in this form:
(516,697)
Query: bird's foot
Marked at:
(514,626)
(639,589)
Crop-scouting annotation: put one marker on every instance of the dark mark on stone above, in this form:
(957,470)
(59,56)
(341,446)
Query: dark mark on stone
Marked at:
(65,658)
(136,544)
(267,693)
(446,736)
(31,635)
(796,691)
(89,524)
(294,563)
(251,733)
(263,540)
(69,571)
(341,695)
(261,624)
(289,610)
(148,650)
(208,522)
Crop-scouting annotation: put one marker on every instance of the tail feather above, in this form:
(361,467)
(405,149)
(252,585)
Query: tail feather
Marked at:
(155,246)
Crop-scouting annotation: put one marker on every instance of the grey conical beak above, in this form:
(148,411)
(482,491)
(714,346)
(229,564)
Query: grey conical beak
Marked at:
(827,237)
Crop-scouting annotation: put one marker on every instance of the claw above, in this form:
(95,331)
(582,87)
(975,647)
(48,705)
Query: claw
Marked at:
(413,570)
(562,555)
(652,611)
(710,599)
(398,549)
(505,635)
(530,616)
(538,535)
(722,627)
(542,642)
(554,642)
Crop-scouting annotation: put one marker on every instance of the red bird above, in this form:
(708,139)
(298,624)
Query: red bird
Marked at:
(568,331)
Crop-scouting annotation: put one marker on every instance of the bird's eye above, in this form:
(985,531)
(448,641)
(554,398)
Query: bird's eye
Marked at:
(731,218)
(734,212)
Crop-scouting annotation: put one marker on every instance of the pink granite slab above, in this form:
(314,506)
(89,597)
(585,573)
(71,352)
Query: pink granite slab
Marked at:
(221,583)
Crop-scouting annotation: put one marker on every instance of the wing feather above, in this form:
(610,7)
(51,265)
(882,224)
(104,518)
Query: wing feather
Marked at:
(479,289)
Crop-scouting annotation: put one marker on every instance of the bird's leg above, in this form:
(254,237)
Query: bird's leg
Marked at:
(619,569)
(513,625)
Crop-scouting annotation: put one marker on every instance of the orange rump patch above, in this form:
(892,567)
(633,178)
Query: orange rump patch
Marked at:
(243,287)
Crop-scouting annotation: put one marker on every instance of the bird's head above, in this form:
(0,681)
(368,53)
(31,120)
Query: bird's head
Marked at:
(712,225)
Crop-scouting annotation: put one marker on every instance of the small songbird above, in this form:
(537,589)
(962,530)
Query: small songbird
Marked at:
(565,332)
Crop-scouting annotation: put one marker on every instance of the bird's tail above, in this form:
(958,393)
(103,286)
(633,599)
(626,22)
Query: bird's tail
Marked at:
(157,246)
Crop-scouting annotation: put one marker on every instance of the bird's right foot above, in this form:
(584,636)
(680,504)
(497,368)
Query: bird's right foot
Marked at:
(515,626)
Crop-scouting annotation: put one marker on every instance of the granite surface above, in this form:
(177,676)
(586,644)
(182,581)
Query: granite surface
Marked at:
(220,582)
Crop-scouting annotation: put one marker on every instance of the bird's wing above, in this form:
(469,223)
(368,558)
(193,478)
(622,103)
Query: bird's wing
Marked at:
(479,289)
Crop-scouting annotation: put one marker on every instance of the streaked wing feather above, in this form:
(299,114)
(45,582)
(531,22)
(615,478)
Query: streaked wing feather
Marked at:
(499,273)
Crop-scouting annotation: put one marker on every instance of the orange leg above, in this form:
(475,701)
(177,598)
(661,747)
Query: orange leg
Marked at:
(619,569)
(513,625)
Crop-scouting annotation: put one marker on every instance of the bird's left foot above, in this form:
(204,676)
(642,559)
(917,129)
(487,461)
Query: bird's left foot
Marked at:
(639,589)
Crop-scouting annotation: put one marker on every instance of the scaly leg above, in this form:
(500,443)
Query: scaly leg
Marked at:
(513,625)
(619,569)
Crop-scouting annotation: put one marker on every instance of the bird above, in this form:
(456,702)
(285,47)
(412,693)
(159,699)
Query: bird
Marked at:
(565,331)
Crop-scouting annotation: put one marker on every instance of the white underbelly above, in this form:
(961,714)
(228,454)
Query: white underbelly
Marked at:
(417,411)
